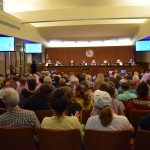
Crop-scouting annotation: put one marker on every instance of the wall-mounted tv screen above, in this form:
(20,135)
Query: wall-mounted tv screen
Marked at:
(142,46)
(33,48)
(7,44)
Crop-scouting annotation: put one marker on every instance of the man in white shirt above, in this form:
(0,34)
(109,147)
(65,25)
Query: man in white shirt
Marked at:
(48,63)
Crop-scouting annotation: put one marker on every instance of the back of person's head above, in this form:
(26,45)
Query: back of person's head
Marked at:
(80,90)
(106,116)
(68,92)
(59,101)
(116,82)
(10,97)
(62,82)
(87,98)
(135,78)
(41,79)
(99,80)
(142,89)
(103,100)
(104,87)
(23,80)
(31,84)
(88,77)
(74,81)
(44,90)
(11,84)
(108,87)
(56,79)
(16,77)
(125,86)
(48,80)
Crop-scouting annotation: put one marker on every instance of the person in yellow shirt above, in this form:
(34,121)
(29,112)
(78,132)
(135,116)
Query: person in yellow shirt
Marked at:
(83,97)
(59,103)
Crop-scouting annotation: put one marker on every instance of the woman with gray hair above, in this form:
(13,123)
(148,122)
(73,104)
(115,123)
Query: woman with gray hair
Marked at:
(15,116)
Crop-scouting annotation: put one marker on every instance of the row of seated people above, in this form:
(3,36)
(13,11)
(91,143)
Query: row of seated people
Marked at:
(106,120)
(59,103)
(103,103)
(93,63)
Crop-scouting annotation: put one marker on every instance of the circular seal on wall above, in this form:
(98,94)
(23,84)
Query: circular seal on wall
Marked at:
(89,53)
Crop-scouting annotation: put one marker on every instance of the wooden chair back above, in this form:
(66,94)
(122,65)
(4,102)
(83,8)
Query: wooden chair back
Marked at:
(135,115)
(17,138)
(59,139)
(43,113)
(107,140)
(84,115)
(142,140)
(2,110)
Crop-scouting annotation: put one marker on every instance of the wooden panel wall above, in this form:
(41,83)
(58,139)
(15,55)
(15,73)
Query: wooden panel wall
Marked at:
(78,54)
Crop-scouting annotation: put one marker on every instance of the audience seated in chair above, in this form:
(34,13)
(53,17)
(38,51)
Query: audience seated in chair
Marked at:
(117,106)
(107,119)
(143,100)
(59,103)
(126,95)
(39,101)
(83,97)
(15,116)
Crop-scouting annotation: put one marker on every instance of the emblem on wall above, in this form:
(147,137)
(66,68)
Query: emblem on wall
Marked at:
(89,53)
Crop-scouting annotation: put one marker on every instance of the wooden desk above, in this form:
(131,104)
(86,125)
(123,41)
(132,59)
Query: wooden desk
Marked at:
(90,69)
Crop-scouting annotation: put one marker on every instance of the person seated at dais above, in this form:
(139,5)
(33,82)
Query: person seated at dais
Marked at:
(71,63)
(58,63)
(105,62)
(119,62)
(83,63)
(131,62)
(48,63)
(94,62)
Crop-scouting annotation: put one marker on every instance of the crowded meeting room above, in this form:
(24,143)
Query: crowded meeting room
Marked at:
(75,75)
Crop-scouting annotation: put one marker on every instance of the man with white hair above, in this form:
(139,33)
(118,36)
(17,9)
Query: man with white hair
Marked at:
(15,116)
(48,80)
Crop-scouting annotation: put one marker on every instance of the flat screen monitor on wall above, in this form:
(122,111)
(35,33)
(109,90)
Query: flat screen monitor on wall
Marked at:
(33,48)
(142,46)
(7,44)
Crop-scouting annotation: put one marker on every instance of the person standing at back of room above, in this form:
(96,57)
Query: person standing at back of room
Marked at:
(33,67)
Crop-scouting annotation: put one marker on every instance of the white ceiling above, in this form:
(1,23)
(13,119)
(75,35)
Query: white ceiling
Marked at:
(81,19)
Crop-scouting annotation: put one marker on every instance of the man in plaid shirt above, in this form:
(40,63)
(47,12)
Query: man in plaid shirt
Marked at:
(15,116)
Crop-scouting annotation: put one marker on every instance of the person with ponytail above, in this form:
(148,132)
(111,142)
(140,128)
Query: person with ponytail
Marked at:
(106,119)
(83,97)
